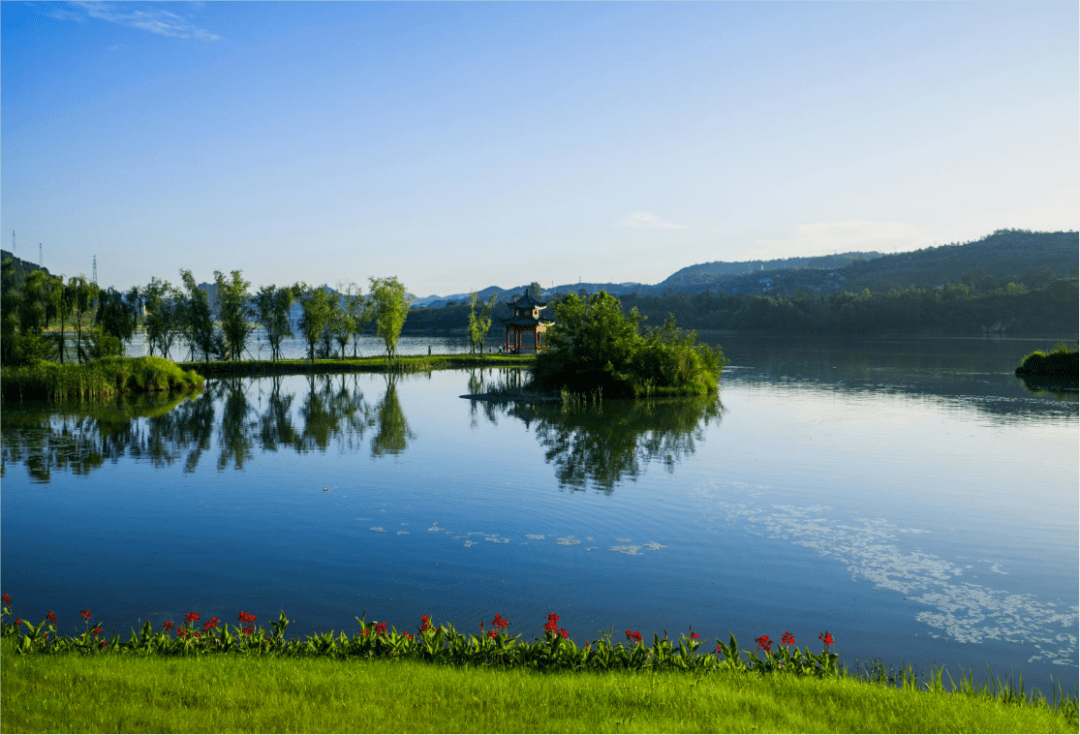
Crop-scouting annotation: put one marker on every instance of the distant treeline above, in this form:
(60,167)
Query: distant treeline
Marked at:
(954,309)
(1013,281)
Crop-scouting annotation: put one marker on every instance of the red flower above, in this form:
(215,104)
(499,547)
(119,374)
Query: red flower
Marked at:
(694,635)
(51,616)
(103,644)
(167,626)
(191,617)
(85,614)
(248,630)
(552,625)
(6,598)
(424,623)
(96,631)
(787,639)
(246,617)
(633,635)
(826,638)
(211,623)
(492,634)
(719,649)
(198,635)
(18,622)
(500,622)
(563,633)
(409,636)
(764,643)
(380,628)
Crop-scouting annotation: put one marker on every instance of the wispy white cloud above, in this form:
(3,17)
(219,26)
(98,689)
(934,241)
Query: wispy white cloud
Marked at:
(159,22)
(821,238)
(1058,211)
(647,219)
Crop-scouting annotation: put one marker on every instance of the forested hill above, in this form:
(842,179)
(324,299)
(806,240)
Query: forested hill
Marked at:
(22,267)
(704,276)
(1032,258)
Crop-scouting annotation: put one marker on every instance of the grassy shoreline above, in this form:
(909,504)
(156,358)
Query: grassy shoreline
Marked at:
(101,379)
(224,693)
(407,363)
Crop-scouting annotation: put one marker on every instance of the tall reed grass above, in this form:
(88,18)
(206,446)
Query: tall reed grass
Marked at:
(101,379)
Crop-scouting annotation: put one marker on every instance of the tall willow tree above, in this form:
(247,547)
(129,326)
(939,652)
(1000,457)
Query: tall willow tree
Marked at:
(234,311)
(198,321)
(163,324)
(390,304)
(318,311)
(480,324)
(273,305)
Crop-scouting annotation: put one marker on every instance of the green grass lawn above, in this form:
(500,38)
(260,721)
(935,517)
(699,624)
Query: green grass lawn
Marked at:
(225,693)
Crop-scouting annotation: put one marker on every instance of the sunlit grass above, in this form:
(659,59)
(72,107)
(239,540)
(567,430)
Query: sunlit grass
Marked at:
(220,693)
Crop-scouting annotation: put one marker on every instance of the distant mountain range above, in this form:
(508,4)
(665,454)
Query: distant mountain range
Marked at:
(1033,258)
(1022,255)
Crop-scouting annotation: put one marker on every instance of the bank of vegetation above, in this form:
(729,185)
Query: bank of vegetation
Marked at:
(104,378)
(210,676)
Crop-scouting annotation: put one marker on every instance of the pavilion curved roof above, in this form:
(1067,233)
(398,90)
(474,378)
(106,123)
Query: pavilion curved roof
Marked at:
(526,301)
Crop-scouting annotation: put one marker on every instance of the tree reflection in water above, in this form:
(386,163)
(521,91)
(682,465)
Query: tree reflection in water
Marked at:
(602,445)
(81,438)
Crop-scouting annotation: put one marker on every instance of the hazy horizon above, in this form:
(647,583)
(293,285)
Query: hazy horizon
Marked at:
(464,145)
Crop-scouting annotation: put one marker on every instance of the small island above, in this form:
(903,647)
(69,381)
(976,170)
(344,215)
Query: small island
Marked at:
(1062,363)
(1056,370)
(596,351)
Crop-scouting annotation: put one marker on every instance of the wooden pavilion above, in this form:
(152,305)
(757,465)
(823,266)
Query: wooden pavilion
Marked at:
(525,319)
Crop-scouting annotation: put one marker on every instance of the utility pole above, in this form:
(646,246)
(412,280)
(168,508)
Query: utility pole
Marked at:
(95,270)
(40,260)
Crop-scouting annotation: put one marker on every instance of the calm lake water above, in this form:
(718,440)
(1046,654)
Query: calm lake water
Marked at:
(909,496)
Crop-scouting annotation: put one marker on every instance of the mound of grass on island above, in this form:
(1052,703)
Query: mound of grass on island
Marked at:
(1062,363)
(595,349)
(106,378)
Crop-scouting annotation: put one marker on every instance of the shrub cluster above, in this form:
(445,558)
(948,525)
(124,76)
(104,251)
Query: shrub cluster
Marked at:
(1062,364)
(596,349)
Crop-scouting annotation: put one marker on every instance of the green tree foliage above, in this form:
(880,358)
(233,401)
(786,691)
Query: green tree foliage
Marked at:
(198,321)
(318,310)
(359,310)
(234,311)
(83,295)
(116,321)
(163,324)
(595,347)
(390,306)
(340,326)
(273,305)
(480,324)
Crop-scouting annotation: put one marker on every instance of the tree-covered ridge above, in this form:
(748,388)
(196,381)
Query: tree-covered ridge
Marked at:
(955,309)
(1020,256)
(705,275)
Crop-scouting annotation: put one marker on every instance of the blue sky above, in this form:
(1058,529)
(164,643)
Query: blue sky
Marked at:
(462,145)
